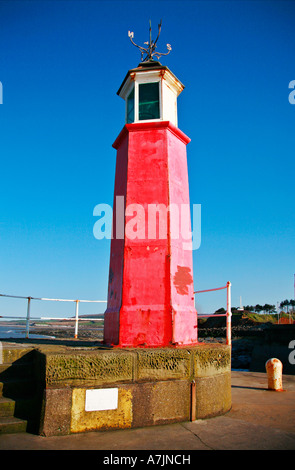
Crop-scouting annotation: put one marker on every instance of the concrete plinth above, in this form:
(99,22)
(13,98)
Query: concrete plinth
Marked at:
(152,386)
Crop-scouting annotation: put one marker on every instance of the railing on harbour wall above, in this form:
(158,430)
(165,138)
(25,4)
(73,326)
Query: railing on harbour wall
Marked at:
(228,313)
(29,318)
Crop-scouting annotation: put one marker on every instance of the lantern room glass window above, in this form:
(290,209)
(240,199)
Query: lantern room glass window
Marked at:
(149,101)
(130,107)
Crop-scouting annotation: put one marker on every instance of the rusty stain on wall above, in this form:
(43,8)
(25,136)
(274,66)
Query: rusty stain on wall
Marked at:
(82,420)
(182,279)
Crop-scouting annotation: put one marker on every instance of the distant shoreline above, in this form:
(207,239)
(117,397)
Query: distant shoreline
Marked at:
(50,330)
(17,331)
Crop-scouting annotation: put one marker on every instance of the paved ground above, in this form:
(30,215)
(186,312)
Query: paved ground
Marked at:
(259,420)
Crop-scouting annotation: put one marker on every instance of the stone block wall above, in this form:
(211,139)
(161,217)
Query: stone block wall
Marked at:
(152,386)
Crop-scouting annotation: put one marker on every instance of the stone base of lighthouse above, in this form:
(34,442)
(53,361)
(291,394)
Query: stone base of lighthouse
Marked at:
(95,388)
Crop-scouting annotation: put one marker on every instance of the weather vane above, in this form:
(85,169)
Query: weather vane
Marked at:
(148,52)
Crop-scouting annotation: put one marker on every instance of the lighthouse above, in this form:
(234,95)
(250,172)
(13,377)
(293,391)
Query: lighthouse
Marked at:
(150,288)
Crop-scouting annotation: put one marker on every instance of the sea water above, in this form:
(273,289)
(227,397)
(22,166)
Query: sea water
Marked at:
(14,331)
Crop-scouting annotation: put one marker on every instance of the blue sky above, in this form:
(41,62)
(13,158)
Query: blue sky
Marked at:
(61,64)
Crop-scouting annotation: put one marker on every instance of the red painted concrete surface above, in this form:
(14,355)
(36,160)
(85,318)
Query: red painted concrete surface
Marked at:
(150,296)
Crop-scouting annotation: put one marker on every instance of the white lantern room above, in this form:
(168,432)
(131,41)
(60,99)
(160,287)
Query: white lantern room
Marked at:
(150,92)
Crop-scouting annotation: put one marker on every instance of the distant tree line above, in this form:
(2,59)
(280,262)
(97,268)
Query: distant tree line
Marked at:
(267,308)
(288,303)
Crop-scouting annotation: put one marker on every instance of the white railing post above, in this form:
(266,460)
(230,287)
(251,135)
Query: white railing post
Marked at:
(228,313)
(77,319)
(28,318)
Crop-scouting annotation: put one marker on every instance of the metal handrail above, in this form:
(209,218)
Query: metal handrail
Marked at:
(28,316)
(228,313)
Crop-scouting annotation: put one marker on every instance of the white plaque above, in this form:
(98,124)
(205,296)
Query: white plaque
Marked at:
(101,399)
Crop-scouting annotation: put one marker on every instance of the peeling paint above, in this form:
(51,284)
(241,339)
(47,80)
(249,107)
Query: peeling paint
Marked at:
(182,279)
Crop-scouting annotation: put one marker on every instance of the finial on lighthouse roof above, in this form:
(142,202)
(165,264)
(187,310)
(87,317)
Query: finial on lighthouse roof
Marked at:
(147,53)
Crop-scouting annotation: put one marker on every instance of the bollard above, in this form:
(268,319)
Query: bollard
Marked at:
(274,369)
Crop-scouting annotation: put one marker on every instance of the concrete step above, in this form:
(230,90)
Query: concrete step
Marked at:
(18,406)
(7,406)
(11,425)
(19,416)
(13,352)
(20,370)
(14,387)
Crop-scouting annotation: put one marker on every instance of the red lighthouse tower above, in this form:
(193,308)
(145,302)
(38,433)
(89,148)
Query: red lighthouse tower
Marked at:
(150,293)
